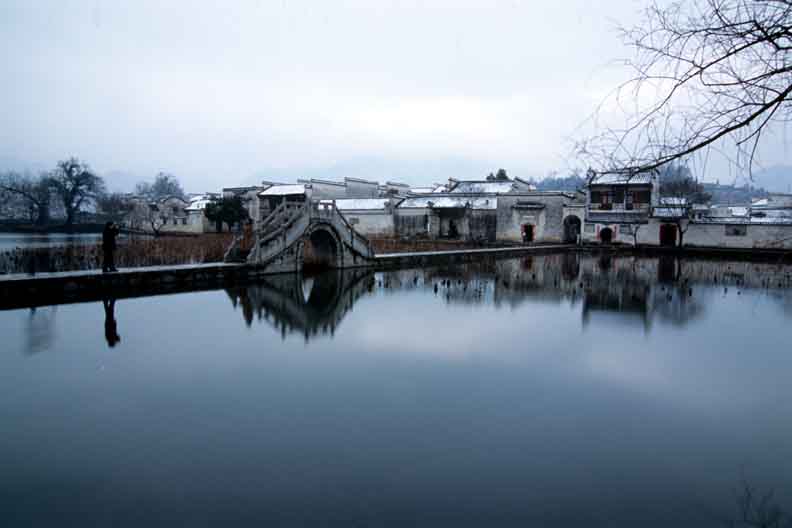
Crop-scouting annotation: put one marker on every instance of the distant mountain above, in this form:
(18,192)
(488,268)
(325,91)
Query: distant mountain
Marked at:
(570,183)
(775,179)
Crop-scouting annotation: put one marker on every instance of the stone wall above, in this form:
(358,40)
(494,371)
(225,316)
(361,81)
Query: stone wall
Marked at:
(698,234)
(545,211)
(414,222)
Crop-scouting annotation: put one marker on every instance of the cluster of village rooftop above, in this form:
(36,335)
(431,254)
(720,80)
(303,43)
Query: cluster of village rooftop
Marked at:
(611,209)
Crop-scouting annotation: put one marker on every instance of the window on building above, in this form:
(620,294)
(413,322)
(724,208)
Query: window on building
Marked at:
(736,230)
(641,197)
(618,196)
(627,229)
(595,197)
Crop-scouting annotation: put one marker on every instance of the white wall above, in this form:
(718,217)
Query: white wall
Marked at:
(371,223)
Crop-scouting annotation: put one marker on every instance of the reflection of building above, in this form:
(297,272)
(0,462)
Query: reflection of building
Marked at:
(631,289)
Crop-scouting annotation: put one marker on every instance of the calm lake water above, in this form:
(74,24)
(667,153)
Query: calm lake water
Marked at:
(27,240)
(544,391)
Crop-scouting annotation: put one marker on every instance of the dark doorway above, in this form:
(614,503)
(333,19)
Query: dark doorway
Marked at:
(320,251)
(606,235)
(527,233)
(668,235)
(571,229)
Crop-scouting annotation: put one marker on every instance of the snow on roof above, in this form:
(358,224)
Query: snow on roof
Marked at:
(484,187)
(621,179)
(450,202)
(673,200)
(745,220)
(422,190)
(198,203)
(284,190)
(669,212)
(359,204)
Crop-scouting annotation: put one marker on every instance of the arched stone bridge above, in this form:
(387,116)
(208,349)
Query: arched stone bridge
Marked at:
(280,243)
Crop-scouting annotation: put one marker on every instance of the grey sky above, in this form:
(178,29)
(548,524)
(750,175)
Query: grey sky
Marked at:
(229,94)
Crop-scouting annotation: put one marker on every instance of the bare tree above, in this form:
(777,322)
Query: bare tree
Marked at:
(679,192)
(114,205)
(153,215)
(28,194)
(75,185)
(709,74)
(635,229)
(165,185)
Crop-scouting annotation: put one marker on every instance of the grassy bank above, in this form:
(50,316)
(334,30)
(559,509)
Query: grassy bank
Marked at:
(133,252)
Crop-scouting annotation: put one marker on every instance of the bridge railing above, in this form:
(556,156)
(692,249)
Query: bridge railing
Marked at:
(289,217)
(327,209)
(278,215)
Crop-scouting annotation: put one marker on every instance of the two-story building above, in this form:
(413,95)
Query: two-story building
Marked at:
(617,205)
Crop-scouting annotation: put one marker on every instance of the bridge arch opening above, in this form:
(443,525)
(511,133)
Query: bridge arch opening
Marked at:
(321,250)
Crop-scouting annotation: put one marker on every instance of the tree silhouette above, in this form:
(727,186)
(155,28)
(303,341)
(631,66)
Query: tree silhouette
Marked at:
(709,74)
(226,210)
(75,185)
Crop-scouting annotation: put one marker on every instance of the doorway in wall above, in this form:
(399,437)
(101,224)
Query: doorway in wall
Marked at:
(527,233)
(606,235)
(571,229)
(668,235)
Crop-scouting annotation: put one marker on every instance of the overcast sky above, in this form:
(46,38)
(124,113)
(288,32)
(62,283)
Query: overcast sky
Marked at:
(224,95)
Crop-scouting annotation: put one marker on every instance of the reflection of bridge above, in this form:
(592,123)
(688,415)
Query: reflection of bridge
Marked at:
(310,305)
(636,291)
(283,236)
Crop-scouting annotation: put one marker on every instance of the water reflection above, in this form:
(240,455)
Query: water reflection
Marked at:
(40,329)
(110,325)
(636,291)
(305,305)
(499,393)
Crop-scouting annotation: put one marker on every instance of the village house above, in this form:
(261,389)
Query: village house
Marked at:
(630,210)
(618,206)
(172,215)
(471,217)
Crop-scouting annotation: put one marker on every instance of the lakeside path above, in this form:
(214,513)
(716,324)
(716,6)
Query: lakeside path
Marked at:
(22,290)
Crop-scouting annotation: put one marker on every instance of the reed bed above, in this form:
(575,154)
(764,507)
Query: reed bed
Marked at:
(132,252)
(403,245)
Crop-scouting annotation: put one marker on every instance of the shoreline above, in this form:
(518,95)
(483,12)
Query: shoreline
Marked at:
(27,291)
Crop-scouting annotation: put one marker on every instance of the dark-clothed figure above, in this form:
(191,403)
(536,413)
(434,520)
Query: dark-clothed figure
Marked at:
(108,246)
(111,328)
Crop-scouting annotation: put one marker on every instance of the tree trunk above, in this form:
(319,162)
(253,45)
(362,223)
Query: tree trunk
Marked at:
(69,218)
(681,234)
(42,215)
